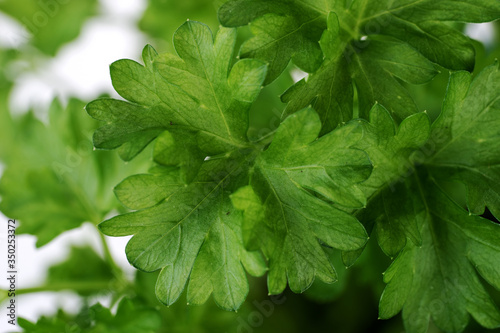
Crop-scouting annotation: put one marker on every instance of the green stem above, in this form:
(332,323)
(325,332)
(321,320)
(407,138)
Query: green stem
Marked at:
(266,139)
(80,286)
(121,284)
(117,271)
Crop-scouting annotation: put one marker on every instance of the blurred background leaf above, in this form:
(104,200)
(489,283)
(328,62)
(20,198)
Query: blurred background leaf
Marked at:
(54,181)
(162,17)
(83,271)
(51,23)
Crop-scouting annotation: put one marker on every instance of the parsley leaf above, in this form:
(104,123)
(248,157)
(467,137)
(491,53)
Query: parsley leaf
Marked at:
(296,29)
(436,274)
(389,148)
(192,92)
(190,232)
(290,220)
(468,149)
(439,279)
(366,43)
(185,223)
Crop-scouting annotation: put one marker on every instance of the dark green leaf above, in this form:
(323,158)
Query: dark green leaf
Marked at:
(371,42)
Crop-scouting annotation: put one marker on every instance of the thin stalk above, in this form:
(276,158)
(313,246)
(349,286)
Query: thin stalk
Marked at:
(117,271)
(80,286)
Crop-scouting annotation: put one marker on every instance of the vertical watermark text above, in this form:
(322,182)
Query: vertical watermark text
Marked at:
(11,271)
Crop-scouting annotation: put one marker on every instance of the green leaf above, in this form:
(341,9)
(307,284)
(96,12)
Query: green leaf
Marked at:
(185,224)
(374,70)
(296,29)
(200,236)
(131,316)
(53,164)
(390,148)
(436,276)
(197,232)
(439,280)
(294,220)
(325,293)
(466,146)
(329,90)
(50,23)
(57,323)
(196,91)
(374,44)
(179,149)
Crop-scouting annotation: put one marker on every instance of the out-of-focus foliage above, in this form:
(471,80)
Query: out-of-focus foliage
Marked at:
(50,164)
(51,23)
(162,17)
(83,271)
(130,317)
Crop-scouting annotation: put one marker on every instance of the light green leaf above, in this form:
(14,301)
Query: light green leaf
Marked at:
(196,91)
(196,230)
(179,149)
(50,23)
